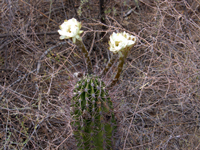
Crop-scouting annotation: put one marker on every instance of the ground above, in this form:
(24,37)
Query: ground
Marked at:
(156,101)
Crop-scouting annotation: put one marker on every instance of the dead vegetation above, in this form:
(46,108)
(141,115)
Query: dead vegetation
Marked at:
(157,101)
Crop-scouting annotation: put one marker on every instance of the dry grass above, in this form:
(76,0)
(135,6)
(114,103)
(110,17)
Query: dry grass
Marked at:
(157,101)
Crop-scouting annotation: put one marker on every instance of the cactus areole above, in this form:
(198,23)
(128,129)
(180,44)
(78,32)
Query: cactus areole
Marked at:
(92,113)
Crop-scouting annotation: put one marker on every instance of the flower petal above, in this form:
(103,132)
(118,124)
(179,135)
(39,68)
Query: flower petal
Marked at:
(62,37)
(70,29)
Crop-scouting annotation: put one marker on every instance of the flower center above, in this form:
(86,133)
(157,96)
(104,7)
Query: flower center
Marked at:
(117,43)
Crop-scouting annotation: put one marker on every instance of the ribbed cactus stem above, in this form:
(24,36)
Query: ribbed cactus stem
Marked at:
(122,56)
(93,117)
(80,44)
(109,64)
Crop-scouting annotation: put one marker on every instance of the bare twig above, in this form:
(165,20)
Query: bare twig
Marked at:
(102,16)
(45,53)
(28,34)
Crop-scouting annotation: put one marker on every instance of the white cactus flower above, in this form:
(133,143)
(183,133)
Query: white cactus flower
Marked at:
(117,42)
(70,29)
(131,40)
(120,41)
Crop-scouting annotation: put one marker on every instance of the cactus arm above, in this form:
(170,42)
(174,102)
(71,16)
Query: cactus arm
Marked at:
(77,111)
(87,95)
(93,112)
(97,138)
(93,116)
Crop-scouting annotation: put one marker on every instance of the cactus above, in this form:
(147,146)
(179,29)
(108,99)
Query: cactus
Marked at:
(92,112)
(91,108)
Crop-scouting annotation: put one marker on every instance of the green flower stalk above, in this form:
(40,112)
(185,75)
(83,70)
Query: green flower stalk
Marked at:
(122,58)
(120,43)
(70,29)
(109,64)
(86,55)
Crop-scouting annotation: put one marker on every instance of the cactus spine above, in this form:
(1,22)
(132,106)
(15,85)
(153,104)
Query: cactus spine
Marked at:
(92,113)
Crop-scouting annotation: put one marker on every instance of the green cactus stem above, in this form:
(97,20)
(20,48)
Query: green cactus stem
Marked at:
(86,55)
(92,113)
(122,56)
